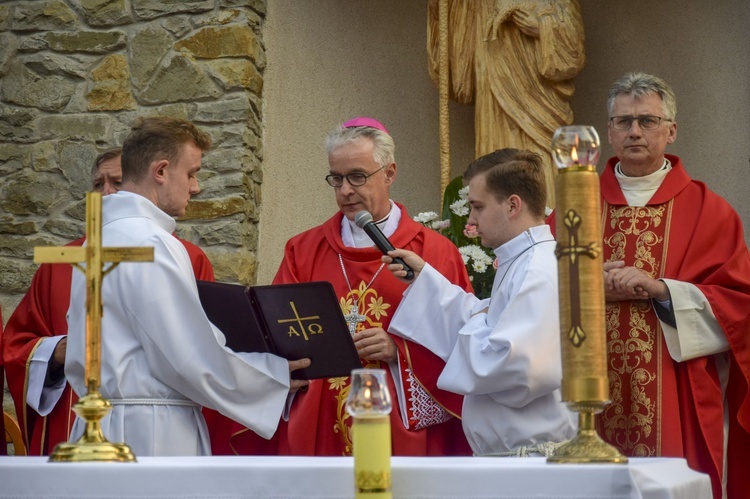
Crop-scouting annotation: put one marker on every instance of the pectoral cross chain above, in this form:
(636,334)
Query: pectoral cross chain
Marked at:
(573,221)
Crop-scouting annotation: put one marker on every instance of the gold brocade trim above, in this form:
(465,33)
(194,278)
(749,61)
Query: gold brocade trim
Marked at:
(374,310)
(634,352)
(373,482)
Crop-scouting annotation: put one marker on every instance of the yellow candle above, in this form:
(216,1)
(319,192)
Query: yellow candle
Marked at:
(371,437)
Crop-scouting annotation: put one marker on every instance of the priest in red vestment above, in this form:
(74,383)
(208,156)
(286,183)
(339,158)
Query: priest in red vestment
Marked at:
(36,332)
(677,284)
(425,420)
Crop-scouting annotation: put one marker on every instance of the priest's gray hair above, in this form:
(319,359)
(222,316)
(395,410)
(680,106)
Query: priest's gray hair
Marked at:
(641,85)
(384,150)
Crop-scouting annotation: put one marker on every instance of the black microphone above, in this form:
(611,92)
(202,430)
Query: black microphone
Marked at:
(363,219)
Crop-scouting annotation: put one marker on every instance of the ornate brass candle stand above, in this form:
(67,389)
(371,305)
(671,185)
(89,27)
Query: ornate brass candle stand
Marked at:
(92,407)
(585,386)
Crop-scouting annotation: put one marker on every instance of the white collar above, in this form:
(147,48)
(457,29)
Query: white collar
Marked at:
(354,237)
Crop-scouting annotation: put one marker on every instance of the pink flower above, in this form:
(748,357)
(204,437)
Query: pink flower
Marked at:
(494,264)
(470,231)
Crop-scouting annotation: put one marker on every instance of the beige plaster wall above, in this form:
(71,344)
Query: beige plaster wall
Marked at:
(329,60)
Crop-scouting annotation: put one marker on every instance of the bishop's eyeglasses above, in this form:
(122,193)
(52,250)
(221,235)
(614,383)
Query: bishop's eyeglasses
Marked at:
(646,122)
(355,179)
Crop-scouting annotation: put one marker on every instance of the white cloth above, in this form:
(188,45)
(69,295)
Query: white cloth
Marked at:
(506,361)
(157,343)
(39,397)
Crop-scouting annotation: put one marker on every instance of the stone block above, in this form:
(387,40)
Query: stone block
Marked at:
(235,107)
(46,15)
(148,47)
(218,185)
(17,124)
(228,232)
(14,157)
(44,156)
(258,6)
(8,48)
(150,9)
(210,209)
(179,26)
(89,127)
(234,40)
(76,160)
(92,42)
(29,88)
(104,12)
(9,225)
(224,160)
(23,246)
(232,265)
(110,86)
(179,79)
(236,74)
(32,193)
(15,277)
(67,229)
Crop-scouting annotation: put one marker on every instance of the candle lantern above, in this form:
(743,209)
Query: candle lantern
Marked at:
(585,389)
(369,403)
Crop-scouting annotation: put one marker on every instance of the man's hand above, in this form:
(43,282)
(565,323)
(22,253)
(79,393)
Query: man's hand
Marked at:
(630,283)
(375,344)
(410,258)
(58,355)
(298,384)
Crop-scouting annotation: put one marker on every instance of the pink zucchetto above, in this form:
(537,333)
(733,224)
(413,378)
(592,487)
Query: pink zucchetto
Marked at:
(365,121)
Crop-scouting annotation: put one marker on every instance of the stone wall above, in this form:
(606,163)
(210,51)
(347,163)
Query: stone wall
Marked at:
(73,76)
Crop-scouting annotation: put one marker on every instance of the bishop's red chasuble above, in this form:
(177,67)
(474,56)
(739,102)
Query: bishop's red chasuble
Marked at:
(319,424)
(41,313)
(661,407)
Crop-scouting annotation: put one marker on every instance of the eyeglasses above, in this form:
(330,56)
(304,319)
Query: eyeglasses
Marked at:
(646,122)
(355,179)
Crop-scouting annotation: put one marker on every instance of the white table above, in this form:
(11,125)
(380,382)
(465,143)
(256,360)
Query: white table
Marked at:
(307,477)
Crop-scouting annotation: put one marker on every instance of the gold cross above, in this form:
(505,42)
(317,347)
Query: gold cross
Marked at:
(93,446)
(573,221)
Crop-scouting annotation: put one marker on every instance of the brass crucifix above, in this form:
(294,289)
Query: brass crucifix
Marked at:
(92,446)
(572,221)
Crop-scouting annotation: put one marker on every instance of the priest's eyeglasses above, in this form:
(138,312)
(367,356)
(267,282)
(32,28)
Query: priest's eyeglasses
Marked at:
(355,179)
(646,122)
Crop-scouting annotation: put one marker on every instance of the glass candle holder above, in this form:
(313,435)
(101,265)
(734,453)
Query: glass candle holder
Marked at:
(575,145)
(369,403)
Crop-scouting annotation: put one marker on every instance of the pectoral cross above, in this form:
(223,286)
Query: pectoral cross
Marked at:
(573,221)
(353,318)
(92,446)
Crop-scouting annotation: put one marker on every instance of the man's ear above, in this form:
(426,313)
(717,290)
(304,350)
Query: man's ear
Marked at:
(515,204)
(390,173)
(158,170)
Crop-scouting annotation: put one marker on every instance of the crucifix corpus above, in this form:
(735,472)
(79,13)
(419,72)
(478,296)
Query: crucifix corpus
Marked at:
(92,446)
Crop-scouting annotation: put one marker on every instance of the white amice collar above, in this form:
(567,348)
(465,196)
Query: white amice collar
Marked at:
(639,190)
(354,237)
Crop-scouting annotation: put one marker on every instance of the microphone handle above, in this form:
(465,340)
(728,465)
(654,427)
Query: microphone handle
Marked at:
(385,246)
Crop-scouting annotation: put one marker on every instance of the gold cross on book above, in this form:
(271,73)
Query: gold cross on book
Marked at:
(92,446)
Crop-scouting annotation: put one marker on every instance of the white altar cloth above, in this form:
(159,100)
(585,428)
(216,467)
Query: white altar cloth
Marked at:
(233,477)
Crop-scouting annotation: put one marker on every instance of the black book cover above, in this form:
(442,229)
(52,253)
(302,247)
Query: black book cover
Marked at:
(293,321)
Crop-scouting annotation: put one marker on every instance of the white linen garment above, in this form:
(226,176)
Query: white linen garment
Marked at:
(158,346)
(505,361)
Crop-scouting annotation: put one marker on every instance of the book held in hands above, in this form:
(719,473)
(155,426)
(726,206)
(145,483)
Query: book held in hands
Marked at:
(293,321)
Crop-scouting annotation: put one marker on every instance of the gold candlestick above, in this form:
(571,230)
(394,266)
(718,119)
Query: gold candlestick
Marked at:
(585,386)
(92,407)
(369,403)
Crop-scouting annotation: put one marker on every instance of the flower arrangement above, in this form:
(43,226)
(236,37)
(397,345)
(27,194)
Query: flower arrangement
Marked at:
(453,224)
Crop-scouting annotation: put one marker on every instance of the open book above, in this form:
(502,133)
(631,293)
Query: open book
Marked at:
(293,321)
